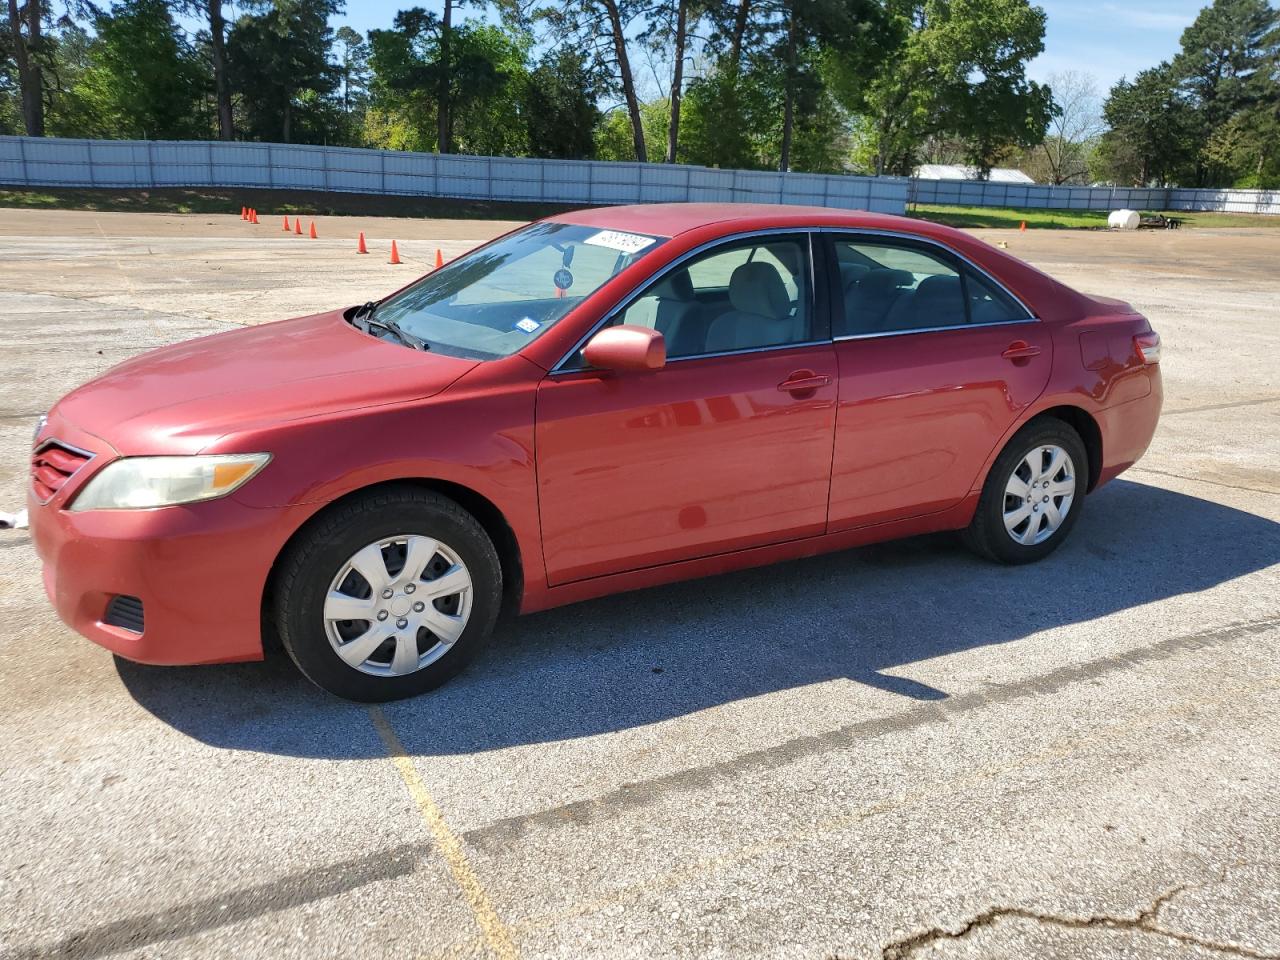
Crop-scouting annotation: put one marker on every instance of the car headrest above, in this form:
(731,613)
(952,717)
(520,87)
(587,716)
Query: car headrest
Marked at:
(676,285)
(940,288)
(852,273)
(757,288)
(884,280)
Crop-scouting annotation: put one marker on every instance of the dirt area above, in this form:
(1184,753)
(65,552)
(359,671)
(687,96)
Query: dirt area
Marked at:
(893,752)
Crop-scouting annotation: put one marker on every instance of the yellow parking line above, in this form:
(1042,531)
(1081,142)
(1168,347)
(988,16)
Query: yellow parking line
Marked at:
(496,935)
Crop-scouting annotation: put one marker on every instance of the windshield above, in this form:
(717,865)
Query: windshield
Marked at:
(495,300)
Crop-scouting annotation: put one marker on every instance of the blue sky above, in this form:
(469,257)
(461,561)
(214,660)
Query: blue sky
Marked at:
(1111,39)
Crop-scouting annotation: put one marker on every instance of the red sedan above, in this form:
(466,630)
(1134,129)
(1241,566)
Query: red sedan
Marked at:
(604,400)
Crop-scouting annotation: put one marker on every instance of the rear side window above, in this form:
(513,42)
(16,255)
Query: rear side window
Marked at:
(897,286)
(988,303)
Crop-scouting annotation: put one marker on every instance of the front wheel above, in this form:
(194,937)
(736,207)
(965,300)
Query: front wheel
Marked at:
(1032,496)
(389,595)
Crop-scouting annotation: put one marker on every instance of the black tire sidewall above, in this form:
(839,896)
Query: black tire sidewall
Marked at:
(987,533)
(320,552)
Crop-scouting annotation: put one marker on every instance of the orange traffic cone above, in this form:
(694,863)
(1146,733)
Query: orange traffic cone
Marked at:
(244,213)
(253,216)
(297,226)
(313,230)
(439,259)
(360,247)
(286,223)
(1023,227)
(395,254)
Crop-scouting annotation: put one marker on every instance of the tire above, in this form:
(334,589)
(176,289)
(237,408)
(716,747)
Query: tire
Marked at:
(989,536)
(321,577)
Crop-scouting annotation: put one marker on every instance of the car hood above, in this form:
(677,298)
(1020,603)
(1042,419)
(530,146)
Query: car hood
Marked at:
(183,397)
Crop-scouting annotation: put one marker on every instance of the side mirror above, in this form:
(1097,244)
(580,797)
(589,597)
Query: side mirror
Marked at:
(626,348)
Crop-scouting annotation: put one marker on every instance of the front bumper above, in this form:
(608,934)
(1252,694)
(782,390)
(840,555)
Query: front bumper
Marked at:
(200,571)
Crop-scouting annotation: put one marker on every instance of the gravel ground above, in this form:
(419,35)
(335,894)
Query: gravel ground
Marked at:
(894,752)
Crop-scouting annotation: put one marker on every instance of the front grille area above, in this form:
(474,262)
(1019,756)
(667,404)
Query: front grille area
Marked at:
(124,612)
(52,465)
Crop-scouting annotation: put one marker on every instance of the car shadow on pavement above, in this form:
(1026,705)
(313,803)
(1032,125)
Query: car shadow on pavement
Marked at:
(643,657)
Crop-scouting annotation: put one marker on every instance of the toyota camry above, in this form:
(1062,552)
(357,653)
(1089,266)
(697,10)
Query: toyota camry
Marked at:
(600,401)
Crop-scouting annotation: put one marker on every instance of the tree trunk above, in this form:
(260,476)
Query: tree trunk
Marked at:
(788,102)
(677,81)
(288,117)
(30,77)
(739,33)
(624,72)
(444,126)
(221,87)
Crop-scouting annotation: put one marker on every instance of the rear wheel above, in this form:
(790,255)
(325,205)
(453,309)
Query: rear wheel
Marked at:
(1032,496)
(388,596)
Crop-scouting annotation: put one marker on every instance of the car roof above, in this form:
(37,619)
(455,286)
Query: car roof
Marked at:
(673,219)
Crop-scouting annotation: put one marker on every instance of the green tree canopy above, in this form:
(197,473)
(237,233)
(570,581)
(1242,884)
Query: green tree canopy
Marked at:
(560,106)
(959,69)
(1210,117)
(1222,72)
(1151,136)
(482,78)
(141,78)
(279,63)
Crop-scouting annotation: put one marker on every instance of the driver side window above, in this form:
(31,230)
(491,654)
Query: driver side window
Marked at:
(743,295)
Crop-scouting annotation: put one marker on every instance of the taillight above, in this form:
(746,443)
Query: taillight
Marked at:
(1148,347)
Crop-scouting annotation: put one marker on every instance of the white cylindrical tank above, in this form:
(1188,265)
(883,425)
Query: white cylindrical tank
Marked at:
(1124,220)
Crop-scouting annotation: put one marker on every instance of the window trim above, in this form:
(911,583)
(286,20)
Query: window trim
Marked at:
(966,264)
(819,304)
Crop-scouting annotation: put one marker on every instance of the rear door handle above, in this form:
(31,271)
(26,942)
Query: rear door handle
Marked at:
(804,383)
(1020,350)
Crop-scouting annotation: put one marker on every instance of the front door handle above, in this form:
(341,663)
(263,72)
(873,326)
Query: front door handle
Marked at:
(803,382)
(1020,350)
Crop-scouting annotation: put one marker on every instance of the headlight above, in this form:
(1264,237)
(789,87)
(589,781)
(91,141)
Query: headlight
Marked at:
(40,425)
(138,482)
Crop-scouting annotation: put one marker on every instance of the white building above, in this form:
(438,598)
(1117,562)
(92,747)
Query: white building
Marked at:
(954,171)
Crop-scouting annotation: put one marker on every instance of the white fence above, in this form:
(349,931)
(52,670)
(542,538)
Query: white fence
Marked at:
(982,193)
(52,162)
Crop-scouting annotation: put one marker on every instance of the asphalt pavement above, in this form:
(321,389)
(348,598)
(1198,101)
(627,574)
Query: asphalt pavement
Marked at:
(898,751)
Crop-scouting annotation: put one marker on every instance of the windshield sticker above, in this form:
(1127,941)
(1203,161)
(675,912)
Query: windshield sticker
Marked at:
(563,279)
(616,240)
(528,324)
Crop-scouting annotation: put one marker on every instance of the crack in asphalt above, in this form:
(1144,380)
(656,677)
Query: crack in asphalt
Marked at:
(630,796)
(194,917)
(1215,483)
(297,889)
(812,829)
(1220,406)
(1142,922)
